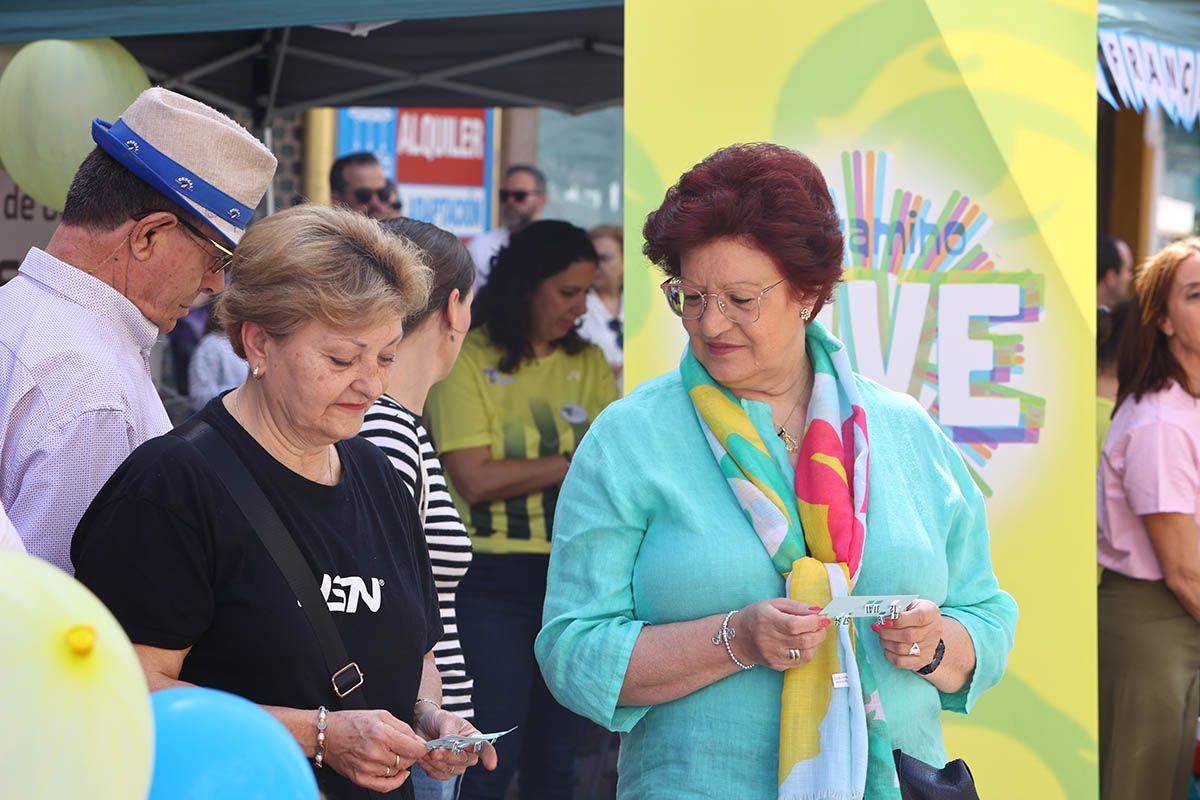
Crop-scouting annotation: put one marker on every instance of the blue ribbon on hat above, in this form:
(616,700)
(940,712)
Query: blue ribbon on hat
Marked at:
(167,171)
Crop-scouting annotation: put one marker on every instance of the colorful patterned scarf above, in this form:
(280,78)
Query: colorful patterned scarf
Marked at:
(834,742)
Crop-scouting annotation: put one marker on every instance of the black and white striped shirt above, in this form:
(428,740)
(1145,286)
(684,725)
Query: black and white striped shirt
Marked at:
(400,434)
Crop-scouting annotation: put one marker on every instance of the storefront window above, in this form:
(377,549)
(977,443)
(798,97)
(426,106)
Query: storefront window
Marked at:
(583,159)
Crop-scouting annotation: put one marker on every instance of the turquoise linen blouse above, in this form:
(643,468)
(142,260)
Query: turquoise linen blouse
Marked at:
(647,531)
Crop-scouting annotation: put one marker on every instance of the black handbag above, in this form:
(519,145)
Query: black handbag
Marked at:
(921,781)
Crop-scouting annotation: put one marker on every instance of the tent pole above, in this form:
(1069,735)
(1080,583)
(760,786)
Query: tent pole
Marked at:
(268,141)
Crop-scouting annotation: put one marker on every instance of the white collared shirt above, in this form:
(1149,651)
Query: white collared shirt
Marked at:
(76,397)
(9,538)
(482,248)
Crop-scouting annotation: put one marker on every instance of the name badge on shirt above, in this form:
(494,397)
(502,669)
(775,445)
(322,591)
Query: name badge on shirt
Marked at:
(573,413)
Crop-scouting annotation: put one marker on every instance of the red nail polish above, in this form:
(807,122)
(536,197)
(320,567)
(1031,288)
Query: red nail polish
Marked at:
(875,626)
(887,623)
(814,608)
(824,623)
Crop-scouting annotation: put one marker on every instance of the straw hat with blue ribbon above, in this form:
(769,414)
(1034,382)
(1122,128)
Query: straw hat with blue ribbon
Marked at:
(195,156)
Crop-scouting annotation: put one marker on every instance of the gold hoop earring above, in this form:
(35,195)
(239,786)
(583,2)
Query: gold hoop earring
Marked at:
(256,373)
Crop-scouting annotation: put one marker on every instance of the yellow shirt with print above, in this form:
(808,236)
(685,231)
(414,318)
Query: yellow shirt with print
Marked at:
(544,408)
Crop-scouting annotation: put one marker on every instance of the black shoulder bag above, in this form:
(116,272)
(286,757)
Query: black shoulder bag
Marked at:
(921,781)
(345,675)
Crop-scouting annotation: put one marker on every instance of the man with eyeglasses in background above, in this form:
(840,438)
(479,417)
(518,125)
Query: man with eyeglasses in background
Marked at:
(151,220)
(358,182)
(522,201)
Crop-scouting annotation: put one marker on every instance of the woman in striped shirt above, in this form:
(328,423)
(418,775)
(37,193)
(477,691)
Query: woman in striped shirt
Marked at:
(432,339)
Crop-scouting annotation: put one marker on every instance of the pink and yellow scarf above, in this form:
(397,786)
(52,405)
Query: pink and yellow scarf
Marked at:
(834,742)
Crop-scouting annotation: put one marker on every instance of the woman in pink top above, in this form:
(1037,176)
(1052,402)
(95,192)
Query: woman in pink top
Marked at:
(1148,492)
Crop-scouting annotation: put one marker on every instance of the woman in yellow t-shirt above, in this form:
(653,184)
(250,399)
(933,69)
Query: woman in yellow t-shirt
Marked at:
(506,421)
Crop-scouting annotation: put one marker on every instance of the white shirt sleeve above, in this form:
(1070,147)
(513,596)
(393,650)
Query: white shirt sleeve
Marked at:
(9,538)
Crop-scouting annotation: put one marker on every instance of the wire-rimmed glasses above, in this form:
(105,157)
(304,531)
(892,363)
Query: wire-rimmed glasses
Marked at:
(738,304)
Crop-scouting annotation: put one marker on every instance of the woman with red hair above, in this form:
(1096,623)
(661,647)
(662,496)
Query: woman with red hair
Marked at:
(710,516)
(1148,494)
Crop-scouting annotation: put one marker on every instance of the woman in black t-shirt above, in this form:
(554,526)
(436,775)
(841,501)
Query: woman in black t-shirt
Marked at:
(314,305)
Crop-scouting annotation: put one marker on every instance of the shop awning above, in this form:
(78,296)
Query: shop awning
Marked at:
(262,58)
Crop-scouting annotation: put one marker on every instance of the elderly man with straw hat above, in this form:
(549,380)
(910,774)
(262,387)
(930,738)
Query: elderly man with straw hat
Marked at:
(151,219)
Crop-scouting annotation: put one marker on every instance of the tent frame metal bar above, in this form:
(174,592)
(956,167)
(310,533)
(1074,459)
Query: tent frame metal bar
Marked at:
(397,79)
(439,78)
(184,78)
(195,91)
(276,75)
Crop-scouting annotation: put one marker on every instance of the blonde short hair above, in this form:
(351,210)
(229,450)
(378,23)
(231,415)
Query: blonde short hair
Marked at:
(314,262)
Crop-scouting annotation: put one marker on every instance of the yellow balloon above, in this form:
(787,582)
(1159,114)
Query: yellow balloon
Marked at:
(77,715)
(49,95)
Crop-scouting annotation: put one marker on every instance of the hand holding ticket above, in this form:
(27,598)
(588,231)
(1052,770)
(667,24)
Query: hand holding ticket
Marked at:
(459,744)
(843,609)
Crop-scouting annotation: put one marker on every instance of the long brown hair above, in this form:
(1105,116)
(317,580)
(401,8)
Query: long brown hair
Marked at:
(1145,363)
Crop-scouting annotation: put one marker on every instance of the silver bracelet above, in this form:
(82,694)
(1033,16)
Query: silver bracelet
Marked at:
(724,635)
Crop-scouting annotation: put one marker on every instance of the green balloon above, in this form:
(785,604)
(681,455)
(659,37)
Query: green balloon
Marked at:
(49,94)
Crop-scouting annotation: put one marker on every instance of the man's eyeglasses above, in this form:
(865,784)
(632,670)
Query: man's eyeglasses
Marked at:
(223,260)
(362,195)
(738,305)
(519,195)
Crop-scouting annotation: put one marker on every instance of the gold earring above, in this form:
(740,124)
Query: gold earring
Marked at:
(256,373)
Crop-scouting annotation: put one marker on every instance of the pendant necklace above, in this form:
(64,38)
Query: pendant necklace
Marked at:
(789,442)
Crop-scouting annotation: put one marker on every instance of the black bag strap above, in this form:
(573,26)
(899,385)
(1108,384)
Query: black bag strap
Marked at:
(346,677)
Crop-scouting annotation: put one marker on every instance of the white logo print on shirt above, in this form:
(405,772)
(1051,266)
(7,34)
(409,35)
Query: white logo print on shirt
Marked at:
(344,594)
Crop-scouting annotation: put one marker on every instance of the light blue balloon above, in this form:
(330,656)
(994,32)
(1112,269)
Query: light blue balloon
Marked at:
(212,744)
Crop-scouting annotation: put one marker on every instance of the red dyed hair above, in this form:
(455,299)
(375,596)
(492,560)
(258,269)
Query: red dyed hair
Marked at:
(770,196)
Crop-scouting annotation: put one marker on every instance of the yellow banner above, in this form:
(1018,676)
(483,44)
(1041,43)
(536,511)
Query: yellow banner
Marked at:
(958,139)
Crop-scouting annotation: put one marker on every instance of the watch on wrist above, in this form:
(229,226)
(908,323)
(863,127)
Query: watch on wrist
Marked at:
(937,659)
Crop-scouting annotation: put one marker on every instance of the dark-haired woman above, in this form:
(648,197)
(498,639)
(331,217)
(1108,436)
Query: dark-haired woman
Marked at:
(433,336)
(508,418)
(710,514)
(1149,538)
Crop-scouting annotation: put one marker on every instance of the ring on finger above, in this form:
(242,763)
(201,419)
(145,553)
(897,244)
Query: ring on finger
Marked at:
(794,654)
(915,650)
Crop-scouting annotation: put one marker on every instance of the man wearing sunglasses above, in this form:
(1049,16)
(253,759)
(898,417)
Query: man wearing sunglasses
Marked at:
(357,181)
(522,200)
(151,221)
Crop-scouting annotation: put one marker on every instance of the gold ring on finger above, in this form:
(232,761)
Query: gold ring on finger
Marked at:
(915,650)
(794,654)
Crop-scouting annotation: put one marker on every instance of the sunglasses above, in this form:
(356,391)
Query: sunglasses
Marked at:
(223,260)
(362,195)
(519,195)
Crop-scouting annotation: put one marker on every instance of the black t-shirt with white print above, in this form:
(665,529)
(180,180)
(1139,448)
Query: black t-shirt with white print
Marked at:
(169,552)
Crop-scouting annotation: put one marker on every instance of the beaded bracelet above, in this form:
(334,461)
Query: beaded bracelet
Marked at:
(433,703)
(321,724)
(724,635)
